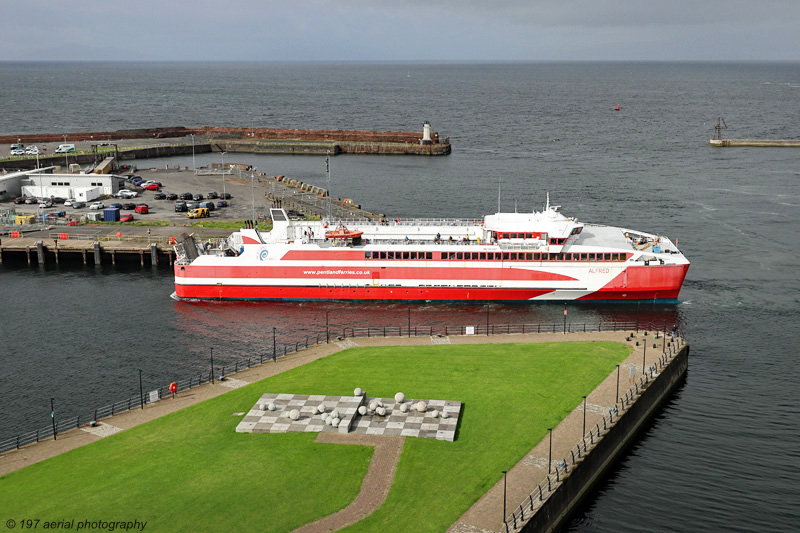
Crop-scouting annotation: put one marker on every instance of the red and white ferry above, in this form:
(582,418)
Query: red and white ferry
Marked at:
(504,257)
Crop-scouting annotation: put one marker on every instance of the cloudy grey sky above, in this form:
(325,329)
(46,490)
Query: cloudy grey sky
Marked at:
(399,30)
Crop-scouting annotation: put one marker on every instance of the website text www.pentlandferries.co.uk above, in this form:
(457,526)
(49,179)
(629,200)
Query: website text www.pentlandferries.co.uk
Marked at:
(338,272)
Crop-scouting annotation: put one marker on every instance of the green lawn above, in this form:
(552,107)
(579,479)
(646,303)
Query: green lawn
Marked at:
(190,471)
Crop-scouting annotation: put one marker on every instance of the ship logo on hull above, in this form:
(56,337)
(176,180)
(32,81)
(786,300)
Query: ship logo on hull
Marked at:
(262,255)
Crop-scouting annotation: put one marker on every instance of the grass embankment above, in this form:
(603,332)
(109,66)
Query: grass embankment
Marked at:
(190,471)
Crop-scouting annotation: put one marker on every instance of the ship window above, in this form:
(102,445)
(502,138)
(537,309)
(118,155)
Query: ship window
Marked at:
(413,255)
(528,256)
(559,257)
(474,256)
(460,255)
(383,255)
(428,255)
(367,255)
(537,256)
(607,257)
(615,257)
(483,256)
(505,256)
(591,257)
(405,255)
(452,255)
(391,255)
(584,257)
(567,257)
(513,256)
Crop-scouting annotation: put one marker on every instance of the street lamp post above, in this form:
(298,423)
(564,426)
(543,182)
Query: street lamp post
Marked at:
(565,319)
(253,188)
(141,390)
(274,347)
(550,454)
(53,417)
(644,355)
(223,173)
(617,398)
(212,365)
(194,166)
(504,495)
(584,416)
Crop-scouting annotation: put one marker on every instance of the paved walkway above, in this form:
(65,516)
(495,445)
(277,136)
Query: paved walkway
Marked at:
(376,484)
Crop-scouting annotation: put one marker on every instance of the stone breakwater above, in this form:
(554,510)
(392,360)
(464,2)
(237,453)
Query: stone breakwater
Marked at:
(349,141)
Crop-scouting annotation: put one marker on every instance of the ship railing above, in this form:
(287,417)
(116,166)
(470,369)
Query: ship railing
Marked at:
(408,222)
(225,366)
(382,241)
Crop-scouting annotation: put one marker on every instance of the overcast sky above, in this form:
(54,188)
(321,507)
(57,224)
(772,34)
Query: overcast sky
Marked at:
(399,30)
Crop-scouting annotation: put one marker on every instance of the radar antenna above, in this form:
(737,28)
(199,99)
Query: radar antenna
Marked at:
(718,127)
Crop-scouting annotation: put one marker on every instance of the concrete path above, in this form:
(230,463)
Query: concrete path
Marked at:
(374,488)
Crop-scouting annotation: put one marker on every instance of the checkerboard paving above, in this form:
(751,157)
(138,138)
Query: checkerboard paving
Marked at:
(411,424)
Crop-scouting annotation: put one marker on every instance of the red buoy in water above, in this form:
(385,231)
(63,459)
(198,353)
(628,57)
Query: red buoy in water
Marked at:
(617,109)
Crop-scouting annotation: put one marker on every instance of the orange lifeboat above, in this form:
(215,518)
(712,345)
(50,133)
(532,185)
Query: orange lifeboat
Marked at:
(343,233)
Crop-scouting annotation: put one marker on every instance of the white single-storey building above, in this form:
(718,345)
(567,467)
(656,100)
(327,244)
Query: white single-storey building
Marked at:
(44,183)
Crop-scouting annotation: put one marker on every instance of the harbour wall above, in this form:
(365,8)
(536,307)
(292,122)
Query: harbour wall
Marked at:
(83,158)
(573,488)
(791,143)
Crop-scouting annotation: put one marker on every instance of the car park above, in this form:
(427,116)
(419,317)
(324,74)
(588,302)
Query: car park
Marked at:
(159,196)
(172,196)
(97,205)
(127,217)
(212,194)
(78,205)
(180,206)
(197,197)
(128,206)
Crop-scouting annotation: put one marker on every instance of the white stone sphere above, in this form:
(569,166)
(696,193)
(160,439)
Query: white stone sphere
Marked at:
(335,422)
(404,408)
(335,413)
(445,415)
(321,408)
(294,414)
(435,414)
(373,405)
(362,410)
(381,411)
(271,406)
(358,392)
(328,419)
(399,397)
(422,407)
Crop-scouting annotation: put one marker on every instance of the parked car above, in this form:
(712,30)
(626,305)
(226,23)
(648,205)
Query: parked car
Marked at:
(17,152)
(222,203)
(159,196)
(226,196)
(180,206)
(31,200)
(191,204)
(32,150)
(127,217)
(186,196)
(16,145)
(150,186)
(115,206)
(212,194)
(197,197)
(57,199)
(207,205)
(142,209)
(172,196)
(128,194)
(97,205)
(45,203)
(200,212)
(129,206)
(78,205)
(20,200)
(67,203)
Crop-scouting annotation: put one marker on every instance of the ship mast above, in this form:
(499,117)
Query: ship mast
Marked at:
(328,186)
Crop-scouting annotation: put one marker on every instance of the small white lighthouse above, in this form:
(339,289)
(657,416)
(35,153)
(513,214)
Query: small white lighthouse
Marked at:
(426,133)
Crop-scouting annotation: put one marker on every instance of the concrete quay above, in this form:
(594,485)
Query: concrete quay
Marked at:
(791,143)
